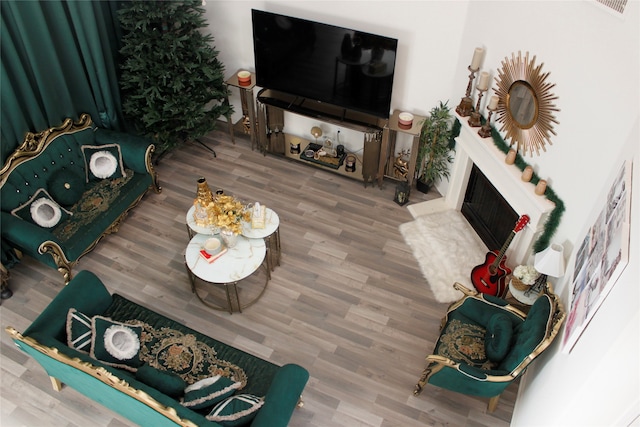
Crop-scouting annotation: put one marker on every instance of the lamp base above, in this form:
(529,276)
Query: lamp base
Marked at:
(538,286)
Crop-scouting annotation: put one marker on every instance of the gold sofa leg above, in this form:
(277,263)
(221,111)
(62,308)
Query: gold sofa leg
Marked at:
(493,403)
(57,385)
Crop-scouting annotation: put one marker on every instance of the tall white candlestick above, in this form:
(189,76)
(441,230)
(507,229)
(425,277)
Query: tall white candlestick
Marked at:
(483,83)
(493,103)
(477,57)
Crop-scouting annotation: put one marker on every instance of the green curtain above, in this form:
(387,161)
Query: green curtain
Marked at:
(59,59)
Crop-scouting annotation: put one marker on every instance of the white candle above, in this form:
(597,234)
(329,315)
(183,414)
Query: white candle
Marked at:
(477,57)
(493,102)
(483,83)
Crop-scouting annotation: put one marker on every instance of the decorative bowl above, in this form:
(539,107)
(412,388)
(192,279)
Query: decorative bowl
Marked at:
(405,119)
(212,246)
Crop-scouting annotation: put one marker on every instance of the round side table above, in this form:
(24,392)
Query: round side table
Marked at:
(236,264)
(271,235)
(193,228)
(521,296)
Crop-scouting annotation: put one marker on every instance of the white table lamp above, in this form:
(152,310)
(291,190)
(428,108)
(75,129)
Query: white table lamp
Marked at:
(549,262)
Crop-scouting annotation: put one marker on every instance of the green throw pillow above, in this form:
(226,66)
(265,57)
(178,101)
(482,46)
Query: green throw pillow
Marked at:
(78,331)
(66,187)
(209,391)
(41,209)
(116,344)
(163,381)
(497,341)
(236,410)
(103,161)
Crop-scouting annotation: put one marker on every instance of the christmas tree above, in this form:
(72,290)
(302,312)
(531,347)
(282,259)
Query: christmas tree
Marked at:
(172,82)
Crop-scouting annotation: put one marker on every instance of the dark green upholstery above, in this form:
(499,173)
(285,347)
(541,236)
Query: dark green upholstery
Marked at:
(498,338)
(461,361)
(280,386)
(66,186)
(52,159)
(163,381)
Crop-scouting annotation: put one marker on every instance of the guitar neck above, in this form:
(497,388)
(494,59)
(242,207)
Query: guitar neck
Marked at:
(504,248)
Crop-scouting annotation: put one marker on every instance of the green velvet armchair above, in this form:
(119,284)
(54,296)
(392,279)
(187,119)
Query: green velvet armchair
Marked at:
(485,343)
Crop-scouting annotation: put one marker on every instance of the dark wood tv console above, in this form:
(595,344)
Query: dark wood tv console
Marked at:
(271,106)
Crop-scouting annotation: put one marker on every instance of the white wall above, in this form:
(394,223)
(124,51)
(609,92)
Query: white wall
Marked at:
(592,57)
(424,73)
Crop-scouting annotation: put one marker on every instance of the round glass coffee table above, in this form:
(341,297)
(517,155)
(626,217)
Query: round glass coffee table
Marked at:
(238,263)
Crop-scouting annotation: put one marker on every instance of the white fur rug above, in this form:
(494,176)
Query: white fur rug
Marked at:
(447,249)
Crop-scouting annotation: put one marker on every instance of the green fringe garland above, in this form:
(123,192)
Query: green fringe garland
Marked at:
(553,221)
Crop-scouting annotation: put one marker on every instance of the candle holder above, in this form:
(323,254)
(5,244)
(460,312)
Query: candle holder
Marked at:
(474,120)
(485,130)
(466,103)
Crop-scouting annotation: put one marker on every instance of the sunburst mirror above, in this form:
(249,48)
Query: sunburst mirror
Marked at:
(526,104)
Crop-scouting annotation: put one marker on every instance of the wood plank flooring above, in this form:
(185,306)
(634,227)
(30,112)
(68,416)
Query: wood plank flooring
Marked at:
(348,301)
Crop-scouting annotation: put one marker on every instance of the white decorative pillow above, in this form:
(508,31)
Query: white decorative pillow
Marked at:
(42,210)
(103,164)
(121,342)
(116,344)
(103,161)
(46,213)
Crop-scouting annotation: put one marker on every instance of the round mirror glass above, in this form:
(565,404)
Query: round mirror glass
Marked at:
(522,104)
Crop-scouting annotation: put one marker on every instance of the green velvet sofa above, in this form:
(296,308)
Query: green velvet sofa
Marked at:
(163,342)
(62,172)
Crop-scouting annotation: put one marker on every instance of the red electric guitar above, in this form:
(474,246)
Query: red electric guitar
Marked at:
(490,277)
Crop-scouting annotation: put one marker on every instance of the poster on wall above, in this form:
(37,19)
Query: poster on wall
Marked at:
(601,257)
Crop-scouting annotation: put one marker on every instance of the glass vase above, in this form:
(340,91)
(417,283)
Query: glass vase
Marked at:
(230,238)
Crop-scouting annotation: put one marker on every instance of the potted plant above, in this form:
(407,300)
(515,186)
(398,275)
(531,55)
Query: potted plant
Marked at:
(434,148)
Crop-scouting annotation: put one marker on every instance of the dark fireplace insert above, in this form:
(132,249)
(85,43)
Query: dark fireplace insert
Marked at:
(487,211)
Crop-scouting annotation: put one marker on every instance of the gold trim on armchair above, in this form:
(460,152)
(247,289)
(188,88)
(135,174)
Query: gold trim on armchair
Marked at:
(102,375)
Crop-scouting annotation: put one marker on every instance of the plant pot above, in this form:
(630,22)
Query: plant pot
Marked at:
(423,186)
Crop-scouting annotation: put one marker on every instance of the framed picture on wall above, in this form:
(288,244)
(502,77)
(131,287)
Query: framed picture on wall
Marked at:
(601,257)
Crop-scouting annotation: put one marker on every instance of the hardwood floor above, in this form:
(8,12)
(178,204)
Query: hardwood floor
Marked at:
(348,302)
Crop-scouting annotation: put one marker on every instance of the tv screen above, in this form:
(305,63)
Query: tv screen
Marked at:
(339,66)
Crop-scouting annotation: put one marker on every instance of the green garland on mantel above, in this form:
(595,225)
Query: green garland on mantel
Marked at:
(553,221)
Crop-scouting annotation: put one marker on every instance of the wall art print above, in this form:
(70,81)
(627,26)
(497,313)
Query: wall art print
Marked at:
(601,257)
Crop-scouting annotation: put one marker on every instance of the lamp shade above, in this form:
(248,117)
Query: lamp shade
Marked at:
(550,261)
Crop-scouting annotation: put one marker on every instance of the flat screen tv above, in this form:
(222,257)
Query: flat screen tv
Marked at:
(324,63)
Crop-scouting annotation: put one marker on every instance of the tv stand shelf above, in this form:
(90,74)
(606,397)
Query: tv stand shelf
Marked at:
(272,138)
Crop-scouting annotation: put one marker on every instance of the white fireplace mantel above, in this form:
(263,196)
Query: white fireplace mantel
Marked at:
(472,149)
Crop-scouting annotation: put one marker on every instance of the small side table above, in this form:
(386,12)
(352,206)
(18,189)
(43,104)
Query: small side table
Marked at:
(271,235)
(387,154)
(236,264)
(520,296)
(247,124)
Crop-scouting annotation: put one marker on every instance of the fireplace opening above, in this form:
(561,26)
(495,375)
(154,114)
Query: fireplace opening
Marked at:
(487,211)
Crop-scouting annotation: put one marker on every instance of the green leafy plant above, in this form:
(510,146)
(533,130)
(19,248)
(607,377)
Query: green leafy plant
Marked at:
(434,147)
(172,82)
